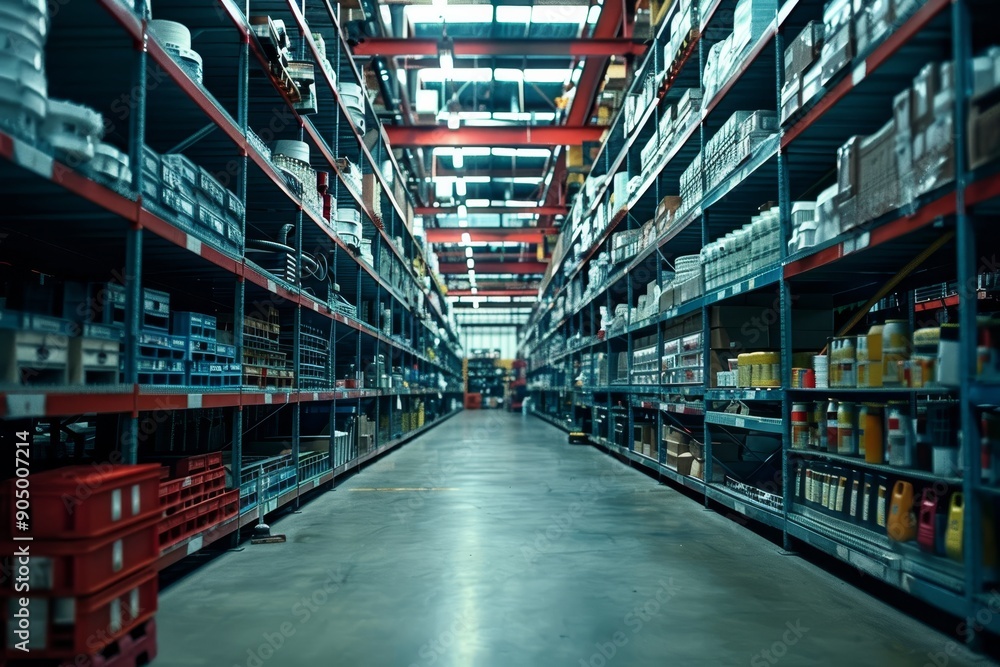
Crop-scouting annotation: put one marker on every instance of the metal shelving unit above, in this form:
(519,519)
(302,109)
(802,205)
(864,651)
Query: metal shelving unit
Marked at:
(121,235)
(564,338)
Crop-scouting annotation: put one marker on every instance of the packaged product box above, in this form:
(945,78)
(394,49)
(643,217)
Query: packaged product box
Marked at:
(804,50)
(838,51)
(925,86)
(983,134)
(812,82)
(791,97)
(847,167)
(836,14)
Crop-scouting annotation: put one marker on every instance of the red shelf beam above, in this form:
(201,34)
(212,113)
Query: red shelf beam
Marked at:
(489,268)
(495,235)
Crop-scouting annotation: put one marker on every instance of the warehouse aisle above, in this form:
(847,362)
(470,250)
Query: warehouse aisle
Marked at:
(489,542)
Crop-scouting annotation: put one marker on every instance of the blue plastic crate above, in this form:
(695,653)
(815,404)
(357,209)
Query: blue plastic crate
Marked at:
(194,325)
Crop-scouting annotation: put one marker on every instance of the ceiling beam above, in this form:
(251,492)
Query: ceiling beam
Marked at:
(487,235)
(494,292)
(525,48)
(471,135)
(502,171)
(491,268)
(492,210)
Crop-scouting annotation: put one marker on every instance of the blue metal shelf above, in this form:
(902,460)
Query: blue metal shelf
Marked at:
(894,471)
(747,422)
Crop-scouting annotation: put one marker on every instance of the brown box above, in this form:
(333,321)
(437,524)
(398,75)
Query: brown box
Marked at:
(648,433)
(371,191)
(698,470)
(676,441)
(984,134)
(683,463)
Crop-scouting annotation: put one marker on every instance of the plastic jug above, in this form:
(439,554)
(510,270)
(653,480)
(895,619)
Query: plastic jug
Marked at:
(901,525)
(956,521)
(927,524)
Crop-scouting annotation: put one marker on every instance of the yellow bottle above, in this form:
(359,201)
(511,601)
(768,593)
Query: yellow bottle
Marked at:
(956,521)
(902,525)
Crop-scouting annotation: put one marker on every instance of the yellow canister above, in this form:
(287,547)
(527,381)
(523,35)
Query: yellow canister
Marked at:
(872,432)
(875,342)
(895,349)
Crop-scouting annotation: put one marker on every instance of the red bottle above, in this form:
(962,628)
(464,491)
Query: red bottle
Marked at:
(927,523)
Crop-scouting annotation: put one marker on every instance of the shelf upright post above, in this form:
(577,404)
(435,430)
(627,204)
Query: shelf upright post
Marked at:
(297,349)
(702,55)
(239,300)
(961,25)
(129,440)
(784,303)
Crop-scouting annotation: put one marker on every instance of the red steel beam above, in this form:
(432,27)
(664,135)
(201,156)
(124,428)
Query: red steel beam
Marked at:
(492,210)
(494,292)
(471,135)
(490,268)
(608,26)
(525,48)
(511,234)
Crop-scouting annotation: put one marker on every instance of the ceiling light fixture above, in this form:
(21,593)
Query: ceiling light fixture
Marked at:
(461,189)
(458,159)
(475,290)
(468,252)
(463,211)
(466,238)
(454,122)
(446,53)
(462,222)
(471,263)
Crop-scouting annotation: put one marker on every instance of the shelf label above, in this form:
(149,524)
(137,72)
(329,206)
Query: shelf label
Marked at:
(859,73)
(25,405)
(194,401)
(315,396)
(740,507)
(271,287)
(721,295)
(752,284)
(268,399)
(740,422)
(192,244)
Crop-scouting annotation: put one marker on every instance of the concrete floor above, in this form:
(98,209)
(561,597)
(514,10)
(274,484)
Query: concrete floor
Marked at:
(490,542)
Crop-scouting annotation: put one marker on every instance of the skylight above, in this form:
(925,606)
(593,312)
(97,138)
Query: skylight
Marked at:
(450,14)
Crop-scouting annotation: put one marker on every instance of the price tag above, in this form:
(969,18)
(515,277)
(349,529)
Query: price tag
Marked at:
(194,401)
(721,295)
(753,283)
(740,507)
(271,287)
(192,244)
(740,422)
(268,399)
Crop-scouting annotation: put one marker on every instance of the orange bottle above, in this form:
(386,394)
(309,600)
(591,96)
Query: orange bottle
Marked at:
(902,525)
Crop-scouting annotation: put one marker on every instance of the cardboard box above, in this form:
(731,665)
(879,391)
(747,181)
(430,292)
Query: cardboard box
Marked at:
(683,463)
(791,97)
(698,470)
(804,50)
(983,134)
(838,51)
(925,86)
(371,191)
(847,167)
(812,83)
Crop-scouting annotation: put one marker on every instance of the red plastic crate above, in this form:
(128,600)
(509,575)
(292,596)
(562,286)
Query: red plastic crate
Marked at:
(199,518)
(176,494)
(135,649)
(73,568)
(63,628)
(79,502)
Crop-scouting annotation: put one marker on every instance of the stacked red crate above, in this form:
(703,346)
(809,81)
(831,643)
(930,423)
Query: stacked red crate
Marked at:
(90,576)
(195,499)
